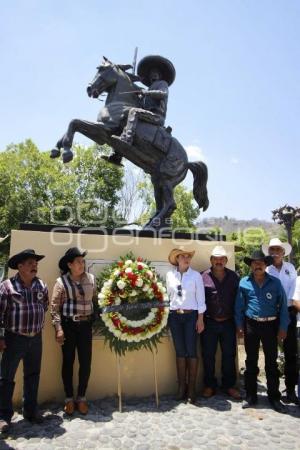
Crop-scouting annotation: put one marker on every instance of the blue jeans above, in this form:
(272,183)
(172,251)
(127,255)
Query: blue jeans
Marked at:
(184,334)
(28,349)
(225,333)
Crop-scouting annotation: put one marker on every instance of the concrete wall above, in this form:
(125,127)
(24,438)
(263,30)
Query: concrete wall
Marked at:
(136,367)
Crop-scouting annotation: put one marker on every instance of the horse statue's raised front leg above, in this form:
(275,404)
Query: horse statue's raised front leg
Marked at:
(95,131)
(66,143)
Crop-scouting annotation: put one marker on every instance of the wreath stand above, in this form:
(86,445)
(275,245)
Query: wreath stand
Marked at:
(119,381)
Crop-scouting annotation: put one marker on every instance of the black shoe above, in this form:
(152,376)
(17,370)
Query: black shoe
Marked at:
(113,159)
(35,418)
(4,426)
(249,402)
(291,397)
(278,406)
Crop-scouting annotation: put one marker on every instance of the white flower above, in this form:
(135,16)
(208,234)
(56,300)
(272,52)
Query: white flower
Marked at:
(107,284)
(117,333)
(133,293)
(149,273)
(101,296)
(116,273)
(128,262)
(145,288)
(117,301)
(139,282)
(121,284)
(128,270)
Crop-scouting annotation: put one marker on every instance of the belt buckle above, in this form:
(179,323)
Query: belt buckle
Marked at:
(180,311)
(75,318)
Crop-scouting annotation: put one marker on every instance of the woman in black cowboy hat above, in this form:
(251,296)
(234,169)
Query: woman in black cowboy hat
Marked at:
(72,311)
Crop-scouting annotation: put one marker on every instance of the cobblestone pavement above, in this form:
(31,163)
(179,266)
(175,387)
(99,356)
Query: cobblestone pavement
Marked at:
(212,424)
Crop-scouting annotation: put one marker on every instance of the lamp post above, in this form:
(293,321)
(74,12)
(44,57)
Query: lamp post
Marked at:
(287,215)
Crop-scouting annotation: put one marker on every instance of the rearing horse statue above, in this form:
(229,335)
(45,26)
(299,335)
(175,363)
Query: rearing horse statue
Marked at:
(153,149)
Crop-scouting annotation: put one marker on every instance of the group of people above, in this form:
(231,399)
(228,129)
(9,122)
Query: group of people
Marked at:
(261,307)
(24,301)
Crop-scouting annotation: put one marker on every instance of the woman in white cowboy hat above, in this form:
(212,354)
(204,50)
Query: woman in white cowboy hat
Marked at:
(187,305)
(287,274)
(72,313)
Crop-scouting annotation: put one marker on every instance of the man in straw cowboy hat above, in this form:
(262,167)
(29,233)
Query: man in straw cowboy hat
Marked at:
(221,285)
(287,274)
(261,315)
(23,303)
(187,305)
(158,73)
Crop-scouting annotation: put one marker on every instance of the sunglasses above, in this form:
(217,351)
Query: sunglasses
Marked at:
(179,290)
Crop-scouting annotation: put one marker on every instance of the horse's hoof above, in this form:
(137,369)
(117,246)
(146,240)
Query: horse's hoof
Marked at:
(55,153)
(67,155)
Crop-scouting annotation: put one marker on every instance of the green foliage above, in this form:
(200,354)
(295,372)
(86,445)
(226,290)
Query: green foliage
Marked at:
(36,189)
(246,242)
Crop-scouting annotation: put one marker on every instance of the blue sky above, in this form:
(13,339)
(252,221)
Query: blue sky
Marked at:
(235,102)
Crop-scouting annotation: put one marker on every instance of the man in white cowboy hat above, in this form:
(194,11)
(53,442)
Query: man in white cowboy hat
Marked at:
(287,274)
(221,285)
(158,73)
(23,303)
(261,315)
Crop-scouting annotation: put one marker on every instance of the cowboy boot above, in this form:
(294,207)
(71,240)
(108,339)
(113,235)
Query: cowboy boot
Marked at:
(114,158)
(181,378)
(192,375)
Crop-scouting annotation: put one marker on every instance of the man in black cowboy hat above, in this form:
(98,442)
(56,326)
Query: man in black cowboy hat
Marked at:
(23,303)
(261,314)
(158,73)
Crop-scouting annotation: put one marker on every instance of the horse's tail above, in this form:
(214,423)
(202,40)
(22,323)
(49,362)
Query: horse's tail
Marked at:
(199,171)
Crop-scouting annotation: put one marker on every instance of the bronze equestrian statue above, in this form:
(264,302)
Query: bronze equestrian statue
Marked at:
(132,123)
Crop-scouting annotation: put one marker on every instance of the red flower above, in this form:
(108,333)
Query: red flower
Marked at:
(139,267)
(120,263)
(139,259)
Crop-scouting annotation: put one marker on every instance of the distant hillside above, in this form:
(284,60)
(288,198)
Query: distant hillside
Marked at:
(228,225)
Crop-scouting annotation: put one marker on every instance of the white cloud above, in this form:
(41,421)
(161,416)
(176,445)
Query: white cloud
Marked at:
(195,153)
(234,160)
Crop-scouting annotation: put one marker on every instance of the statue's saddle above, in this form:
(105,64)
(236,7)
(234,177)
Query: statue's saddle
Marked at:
(159,137)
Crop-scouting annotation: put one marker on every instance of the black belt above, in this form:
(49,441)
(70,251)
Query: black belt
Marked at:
(77,318)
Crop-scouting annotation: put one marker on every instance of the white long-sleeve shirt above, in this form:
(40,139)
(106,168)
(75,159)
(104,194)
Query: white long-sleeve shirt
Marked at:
(193,294)
(287,275)
(296,297)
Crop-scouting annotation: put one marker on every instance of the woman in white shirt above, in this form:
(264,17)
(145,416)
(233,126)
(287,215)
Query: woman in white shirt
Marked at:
(187,305)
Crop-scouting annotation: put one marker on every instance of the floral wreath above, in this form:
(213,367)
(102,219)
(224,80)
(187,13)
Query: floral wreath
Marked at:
(133,304)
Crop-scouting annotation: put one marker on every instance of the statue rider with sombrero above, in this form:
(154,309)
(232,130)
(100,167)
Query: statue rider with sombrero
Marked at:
(158,73)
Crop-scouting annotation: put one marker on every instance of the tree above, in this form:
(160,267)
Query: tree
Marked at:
(36,189)
(246,241)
